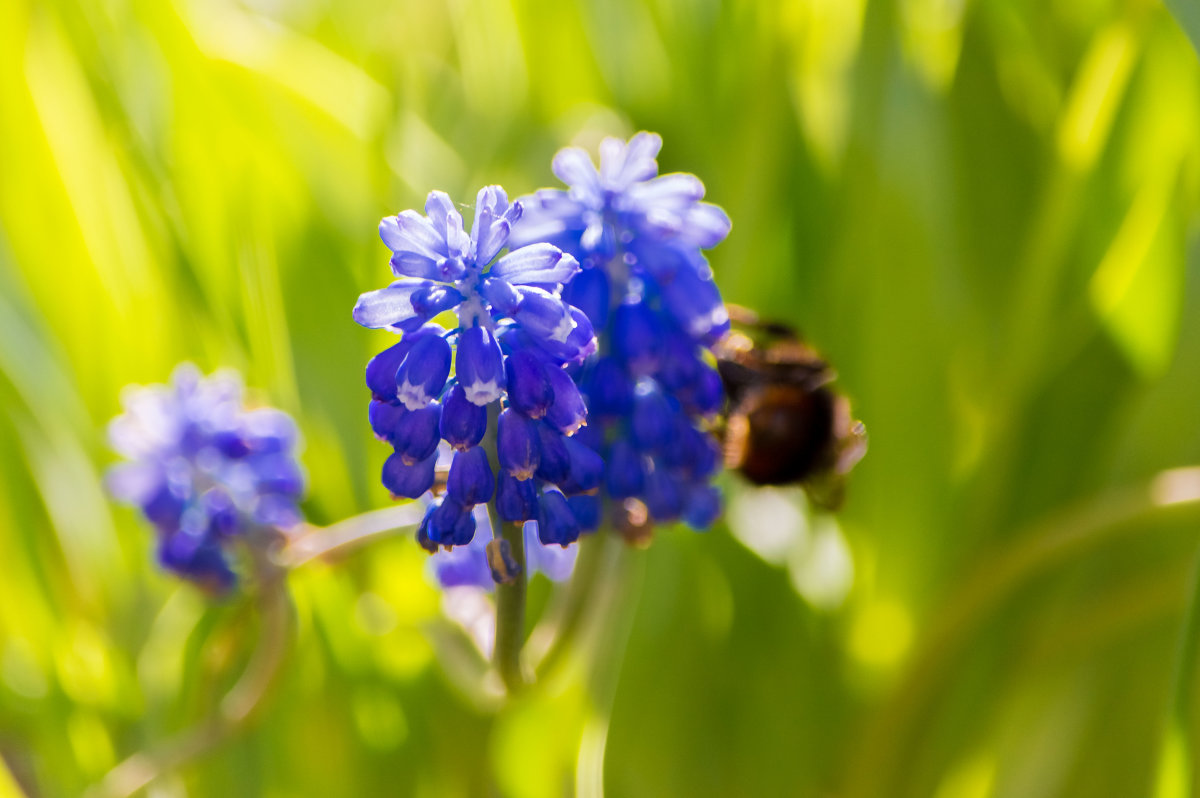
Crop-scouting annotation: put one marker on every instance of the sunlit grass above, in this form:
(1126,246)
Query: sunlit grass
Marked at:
(981,212)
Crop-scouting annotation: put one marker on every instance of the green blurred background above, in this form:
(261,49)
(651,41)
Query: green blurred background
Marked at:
(982,211)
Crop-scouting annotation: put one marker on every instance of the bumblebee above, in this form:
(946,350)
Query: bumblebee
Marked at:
(785,424)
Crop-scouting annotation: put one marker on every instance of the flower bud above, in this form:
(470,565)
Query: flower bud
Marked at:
(478,366)
(470,481)
(415,434)
(381,370)
(451,524)
(408,481)
(500,294)
(517,444)
(431,300)
(529,389)
(543,315)
(504,567)
(423,373)
(567,411)
(516,499)
(554,465)
(463,423)
(556,522)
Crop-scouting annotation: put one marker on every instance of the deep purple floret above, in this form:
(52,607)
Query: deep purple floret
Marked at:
(205,470)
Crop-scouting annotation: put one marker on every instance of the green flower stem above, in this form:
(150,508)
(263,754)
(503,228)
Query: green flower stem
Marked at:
(510,612)
(594,557)
(234,711)
(510,598)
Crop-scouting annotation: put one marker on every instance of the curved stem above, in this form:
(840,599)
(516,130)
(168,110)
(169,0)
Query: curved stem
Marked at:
(347,535)
(232,713)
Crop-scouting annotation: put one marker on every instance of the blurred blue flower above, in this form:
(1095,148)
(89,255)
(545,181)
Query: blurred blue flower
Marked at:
(205,470)
(514,337)
(649,293)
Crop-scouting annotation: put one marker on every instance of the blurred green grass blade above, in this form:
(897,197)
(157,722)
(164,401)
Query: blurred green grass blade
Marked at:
(1136,290)
(1187,14)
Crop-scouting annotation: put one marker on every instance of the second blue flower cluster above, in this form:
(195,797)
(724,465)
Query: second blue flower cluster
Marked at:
(602,302)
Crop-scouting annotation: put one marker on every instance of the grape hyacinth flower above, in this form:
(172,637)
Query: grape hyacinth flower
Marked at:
(514,336)
(205,470)
(485,560)
(649,293)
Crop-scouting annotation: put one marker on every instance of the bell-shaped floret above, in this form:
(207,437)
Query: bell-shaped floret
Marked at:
(554,465)
(470,481)
(543,315)
(198,558)
(415,433)
(381,370)
(451,523)
(517,444)
(423,373)
(384,416)
(556,522)
(500,294)
(705,395)
(408,481)
(680,365)
(478,365)
(529,388)
(567,412)
(463,423)
(516,500)
(579,344)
